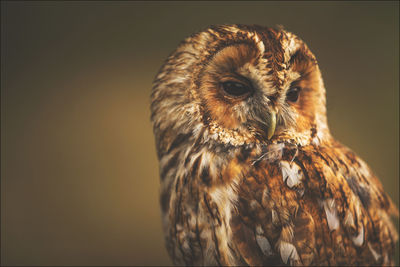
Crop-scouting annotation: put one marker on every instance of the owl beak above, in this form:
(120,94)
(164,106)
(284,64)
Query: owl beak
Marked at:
(272,124)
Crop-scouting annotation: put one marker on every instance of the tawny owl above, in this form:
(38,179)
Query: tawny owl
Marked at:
(250,174)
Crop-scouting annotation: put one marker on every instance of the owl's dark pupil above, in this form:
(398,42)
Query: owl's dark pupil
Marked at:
(235,88)
(293,94)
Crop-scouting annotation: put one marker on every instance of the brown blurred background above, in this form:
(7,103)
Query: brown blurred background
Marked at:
(79,173)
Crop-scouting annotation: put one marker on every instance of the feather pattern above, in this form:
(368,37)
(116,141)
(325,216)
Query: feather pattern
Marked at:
(230,193)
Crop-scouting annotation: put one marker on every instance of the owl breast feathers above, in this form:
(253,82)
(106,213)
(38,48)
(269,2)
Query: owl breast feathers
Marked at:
(250,174)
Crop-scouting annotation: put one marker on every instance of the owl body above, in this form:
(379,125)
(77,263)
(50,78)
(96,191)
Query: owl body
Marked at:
(249,172)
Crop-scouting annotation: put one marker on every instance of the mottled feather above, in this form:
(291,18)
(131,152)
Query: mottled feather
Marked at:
(249,172)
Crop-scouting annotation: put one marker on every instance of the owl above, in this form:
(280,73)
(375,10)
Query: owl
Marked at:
(249,172)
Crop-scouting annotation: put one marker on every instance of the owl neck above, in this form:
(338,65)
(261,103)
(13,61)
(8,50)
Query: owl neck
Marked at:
(203,153)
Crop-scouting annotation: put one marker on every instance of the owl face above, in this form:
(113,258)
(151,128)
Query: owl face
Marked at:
(242,85)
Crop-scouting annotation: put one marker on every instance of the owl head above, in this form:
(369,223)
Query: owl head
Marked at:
(239,85)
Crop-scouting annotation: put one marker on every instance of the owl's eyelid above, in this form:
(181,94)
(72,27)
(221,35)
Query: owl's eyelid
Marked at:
(294,88)
(236,79)
(295,83)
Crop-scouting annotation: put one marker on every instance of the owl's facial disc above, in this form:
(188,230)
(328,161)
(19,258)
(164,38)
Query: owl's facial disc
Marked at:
(240,85)
(245,94)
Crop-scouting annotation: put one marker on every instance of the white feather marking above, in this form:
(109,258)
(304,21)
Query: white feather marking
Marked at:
(291,173)
(260,44)
(363,168)
(274,217)
(177,79)
(264,198)
(165,159)
(386,260)
(205,234)
(192,222)
(315,141)
(275,151)
(179,227)
(259,230)
(185,244)
(197,129)
(331,214)
(264,244)
(288,252)
(320,133)
(253,204)
(359,239)
(349,220)
(376,255)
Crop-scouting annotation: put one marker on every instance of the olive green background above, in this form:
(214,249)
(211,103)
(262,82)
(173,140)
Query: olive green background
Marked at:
(79,173)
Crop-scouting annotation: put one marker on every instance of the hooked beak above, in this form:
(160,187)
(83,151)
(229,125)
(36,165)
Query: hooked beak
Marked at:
(272,124)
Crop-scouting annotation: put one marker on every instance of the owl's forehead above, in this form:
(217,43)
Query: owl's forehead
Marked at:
(259,53)
(276,45)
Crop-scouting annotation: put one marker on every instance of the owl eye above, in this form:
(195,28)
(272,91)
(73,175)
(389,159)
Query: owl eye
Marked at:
(293,94)
(236,89)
